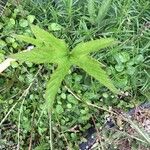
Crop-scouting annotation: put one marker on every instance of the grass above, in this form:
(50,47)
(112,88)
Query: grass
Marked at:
(127,65)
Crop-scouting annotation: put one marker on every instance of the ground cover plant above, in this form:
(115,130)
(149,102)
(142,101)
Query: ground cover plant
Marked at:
(22,85)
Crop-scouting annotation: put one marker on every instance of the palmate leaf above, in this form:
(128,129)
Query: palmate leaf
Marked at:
(92,67)
(92,46)
(49,39)
(55,82)
(49,49)
(38,56)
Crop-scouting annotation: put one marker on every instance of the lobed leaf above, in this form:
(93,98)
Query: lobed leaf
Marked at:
(49,39)
(38,55)
(92,67)
(30,40)
(55,82)
(92,46)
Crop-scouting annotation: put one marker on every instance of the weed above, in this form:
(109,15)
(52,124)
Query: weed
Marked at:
(127,65)
(52,50)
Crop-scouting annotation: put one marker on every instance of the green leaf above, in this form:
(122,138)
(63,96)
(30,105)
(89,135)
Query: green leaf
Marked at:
(49,49)
(131,70)
(30,40)
(55,27)
(59,109)
(54,83)
(2,44)
(38,55)
(49,39)
(10,40)
(122,57)
(23,23)
(92,67)
(12,22)
(92,46)
(103,10)
(119,67)
(91,10)
(31,18)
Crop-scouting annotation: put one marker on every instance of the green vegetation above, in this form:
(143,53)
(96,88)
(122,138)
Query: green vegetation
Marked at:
(52,50)
(24,121)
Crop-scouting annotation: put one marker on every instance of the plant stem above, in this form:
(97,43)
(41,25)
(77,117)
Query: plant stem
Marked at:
(50,130)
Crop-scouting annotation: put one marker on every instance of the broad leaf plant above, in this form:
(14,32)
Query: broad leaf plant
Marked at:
(49,49)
